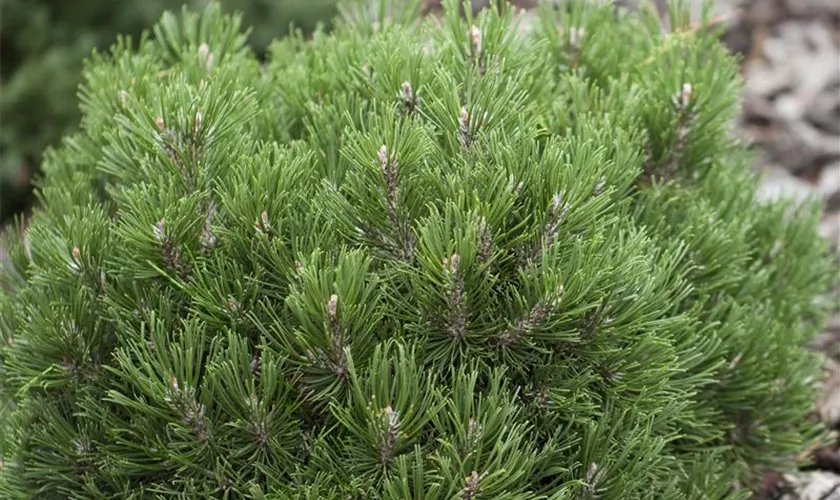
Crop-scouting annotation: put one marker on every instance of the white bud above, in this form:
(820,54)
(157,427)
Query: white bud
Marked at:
(393,416)
(75,265)
(332,306)
(686,93)
(455,262)
(262,222)
(160,230)
(774,251)
(556,200)
(576,37)
(599,187)
(735,361)
(475,38)
(683,97)
(464,118)
(383,157)
(197,121)
(591,473)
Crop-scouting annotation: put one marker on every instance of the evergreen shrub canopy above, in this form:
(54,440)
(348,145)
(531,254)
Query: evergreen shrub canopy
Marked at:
(408,260)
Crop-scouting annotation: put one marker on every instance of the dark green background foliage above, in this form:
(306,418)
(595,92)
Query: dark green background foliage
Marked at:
(43,43)
(408,261)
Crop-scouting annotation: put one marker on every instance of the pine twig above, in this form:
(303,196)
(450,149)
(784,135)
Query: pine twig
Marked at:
(457,318)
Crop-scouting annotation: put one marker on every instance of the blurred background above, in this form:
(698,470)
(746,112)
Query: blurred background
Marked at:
(790,60)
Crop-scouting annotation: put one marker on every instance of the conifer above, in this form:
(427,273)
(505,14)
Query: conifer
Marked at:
(408,260)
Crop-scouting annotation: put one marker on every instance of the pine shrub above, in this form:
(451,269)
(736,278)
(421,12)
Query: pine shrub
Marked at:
(408,260)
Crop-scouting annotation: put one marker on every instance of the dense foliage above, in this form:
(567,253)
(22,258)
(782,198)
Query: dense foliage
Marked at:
(408,260)
(43,44)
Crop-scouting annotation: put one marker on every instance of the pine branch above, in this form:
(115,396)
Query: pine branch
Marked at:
(388,442)
(684,118)
(555,215)
(410,99)
(476,54)
(456,325)
(472,486)
(533,319)
(170,251)
(334,360)
(485,252)
(401,228)
(594,475)
(183,401)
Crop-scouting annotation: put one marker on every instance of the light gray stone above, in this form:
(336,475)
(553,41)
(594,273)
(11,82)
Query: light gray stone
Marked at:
(808,8)
(830,229)
(829,182)
(829,403)
(813,486)
(778,184)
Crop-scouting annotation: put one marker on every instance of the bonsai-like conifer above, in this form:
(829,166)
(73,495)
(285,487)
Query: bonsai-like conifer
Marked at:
(408,260)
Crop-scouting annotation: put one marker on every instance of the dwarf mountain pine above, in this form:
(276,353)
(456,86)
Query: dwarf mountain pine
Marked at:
(408,260)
